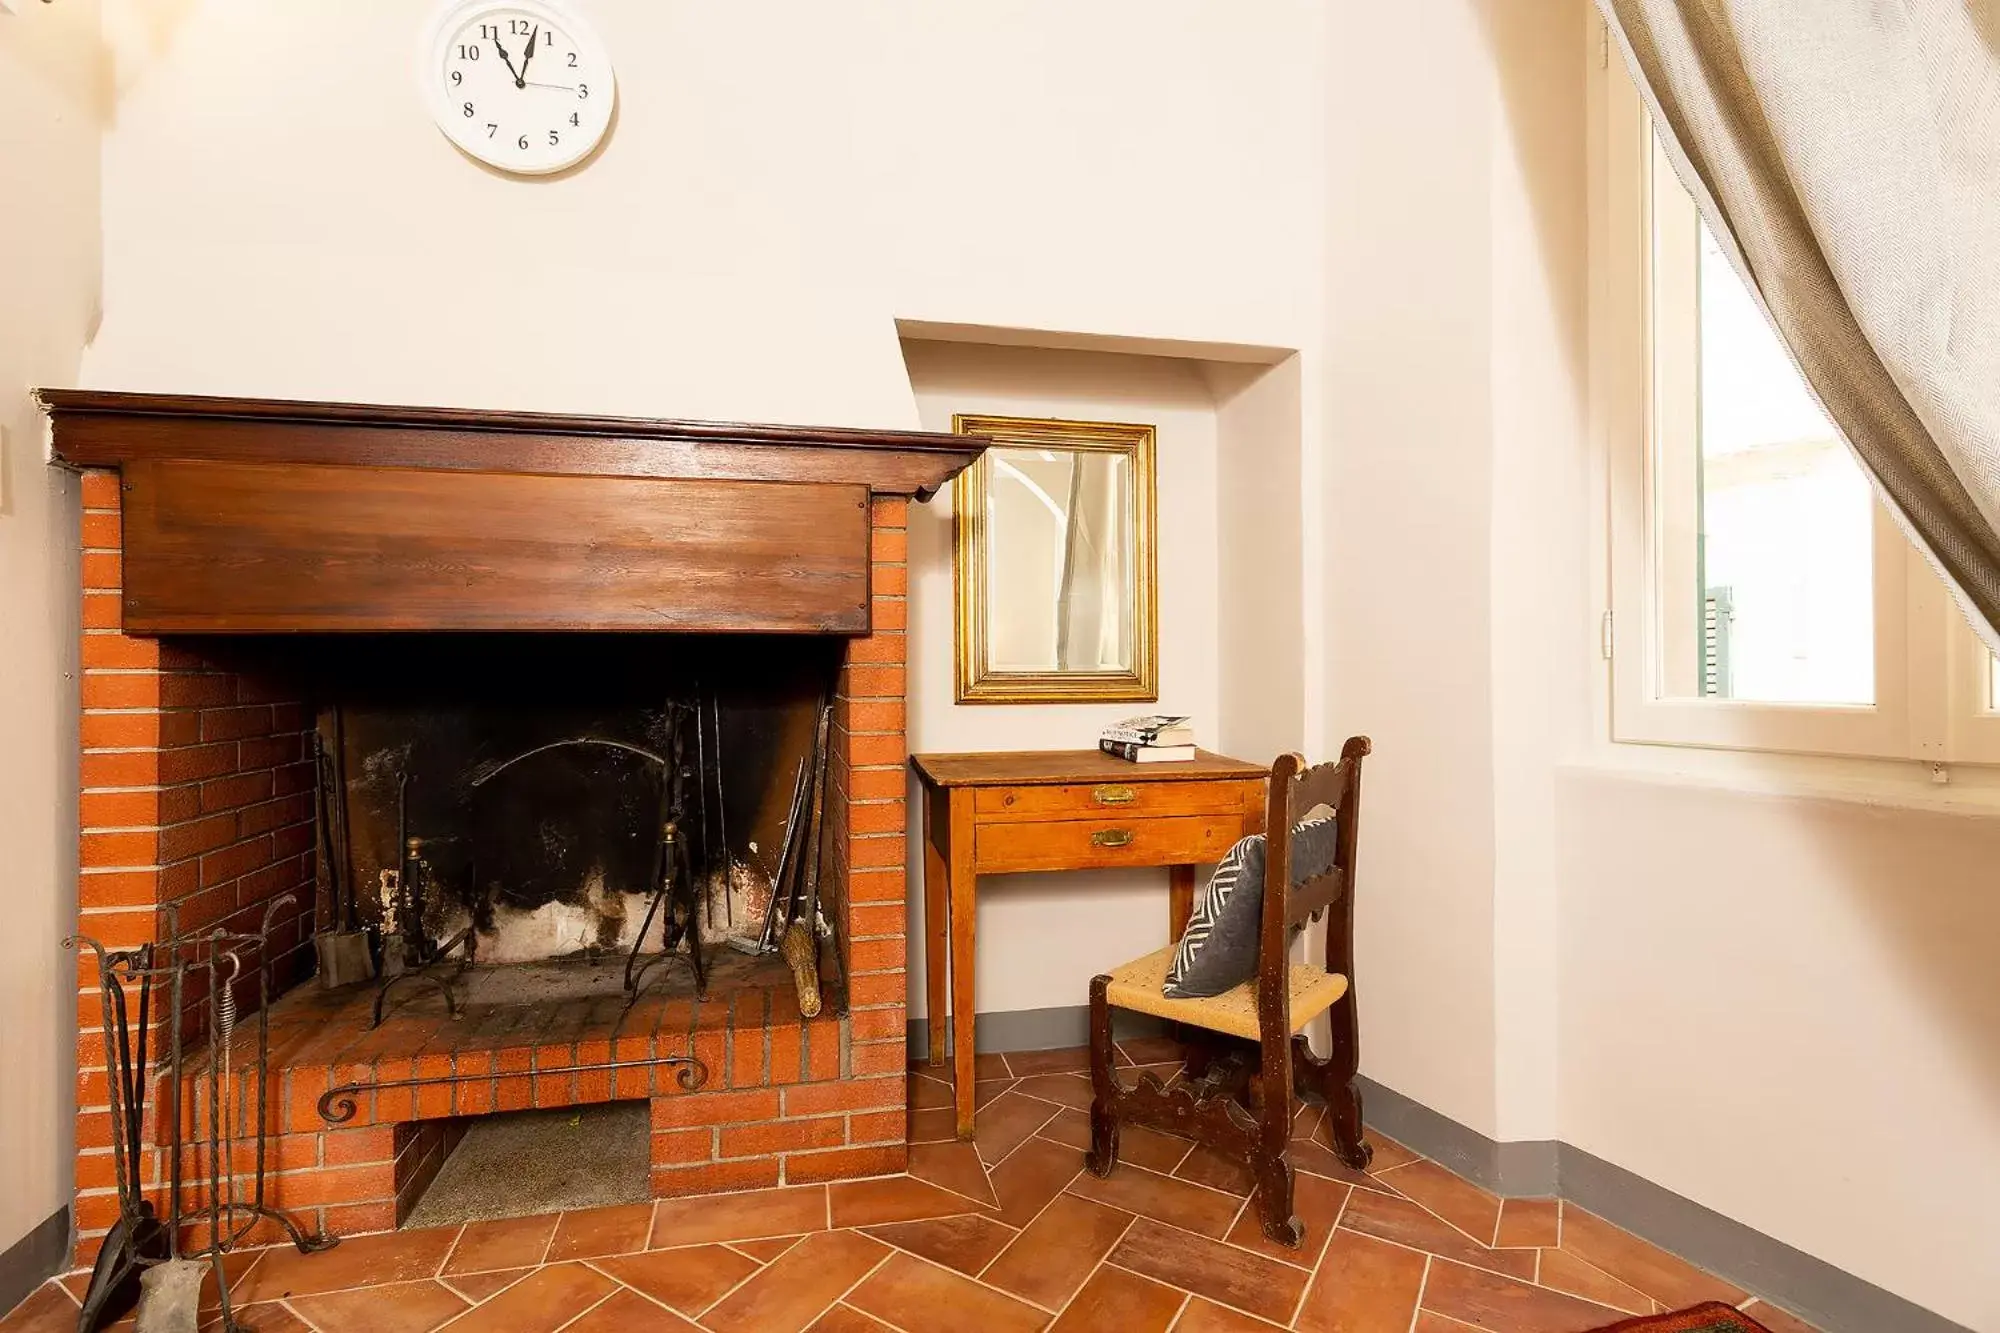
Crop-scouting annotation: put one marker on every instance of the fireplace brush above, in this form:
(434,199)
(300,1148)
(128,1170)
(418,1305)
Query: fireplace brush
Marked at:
(798,937)
(141,1240)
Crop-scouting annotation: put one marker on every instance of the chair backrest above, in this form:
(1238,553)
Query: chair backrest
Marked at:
(1291,896)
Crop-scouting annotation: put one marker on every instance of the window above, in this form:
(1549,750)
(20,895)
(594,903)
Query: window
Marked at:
(1761,597)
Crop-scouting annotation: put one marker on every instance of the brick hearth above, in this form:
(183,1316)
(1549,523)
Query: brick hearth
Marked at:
(197,790)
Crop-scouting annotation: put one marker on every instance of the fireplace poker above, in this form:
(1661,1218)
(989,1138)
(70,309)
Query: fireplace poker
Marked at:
(767,938)
(722,820)
(341,945)
(701,797)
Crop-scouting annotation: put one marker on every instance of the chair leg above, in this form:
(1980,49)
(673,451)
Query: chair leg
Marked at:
(1270,1155)
(1343,1098)
(1273,1174)
(1103,1156)
(1343,1126)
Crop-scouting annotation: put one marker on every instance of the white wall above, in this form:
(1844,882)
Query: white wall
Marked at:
(784,180)
(1781,1008)
(1266,634)
(1785,1009)
(50,107)
(1411,106)
(1040,938)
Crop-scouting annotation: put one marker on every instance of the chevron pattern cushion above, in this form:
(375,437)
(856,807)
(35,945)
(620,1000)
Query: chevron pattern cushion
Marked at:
(1218,950)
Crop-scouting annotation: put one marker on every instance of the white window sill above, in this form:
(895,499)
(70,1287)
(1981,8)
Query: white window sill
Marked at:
(1899,784)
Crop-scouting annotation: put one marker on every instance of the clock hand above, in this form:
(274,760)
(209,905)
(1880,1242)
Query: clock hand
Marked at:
(559,87)
(510,62)
(528,57)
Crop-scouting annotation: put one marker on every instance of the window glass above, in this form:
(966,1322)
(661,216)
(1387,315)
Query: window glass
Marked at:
(1763,521)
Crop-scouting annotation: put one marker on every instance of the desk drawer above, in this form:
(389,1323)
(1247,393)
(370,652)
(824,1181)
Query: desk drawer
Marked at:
(1079,844)
(1136,799)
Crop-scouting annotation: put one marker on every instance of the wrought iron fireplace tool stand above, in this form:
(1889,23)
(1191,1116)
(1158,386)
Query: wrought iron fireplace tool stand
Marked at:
(141,1239)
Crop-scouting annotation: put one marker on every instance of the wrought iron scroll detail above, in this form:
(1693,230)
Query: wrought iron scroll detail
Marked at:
(340,1104)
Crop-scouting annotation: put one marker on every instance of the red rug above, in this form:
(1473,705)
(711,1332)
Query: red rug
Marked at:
(1711,1318)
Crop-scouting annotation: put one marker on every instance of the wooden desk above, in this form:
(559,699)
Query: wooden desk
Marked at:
(991,814)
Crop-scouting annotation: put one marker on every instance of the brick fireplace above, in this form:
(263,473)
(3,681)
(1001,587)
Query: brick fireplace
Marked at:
(198,775)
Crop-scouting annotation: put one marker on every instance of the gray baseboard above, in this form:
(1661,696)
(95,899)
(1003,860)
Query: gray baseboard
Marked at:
(1034,1030)
(1524,1169)
(1834,1300)
(1828,1297)
(34,1259)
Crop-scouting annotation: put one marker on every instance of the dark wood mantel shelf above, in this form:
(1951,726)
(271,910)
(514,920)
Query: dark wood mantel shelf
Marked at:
(94,428)
(252,515)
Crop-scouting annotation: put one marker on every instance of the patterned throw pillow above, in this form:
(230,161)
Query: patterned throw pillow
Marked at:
(1218,950)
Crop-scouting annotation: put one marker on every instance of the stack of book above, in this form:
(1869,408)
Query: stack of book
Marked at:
(1153,739)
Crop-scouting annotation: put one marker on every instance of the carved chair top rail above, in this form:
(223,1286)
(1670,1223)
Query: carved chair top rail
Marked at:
(1313,893)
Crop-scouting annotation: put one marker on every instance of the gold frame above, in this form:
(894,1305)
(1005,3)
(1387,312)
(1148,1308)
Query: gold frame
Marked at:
(978,681)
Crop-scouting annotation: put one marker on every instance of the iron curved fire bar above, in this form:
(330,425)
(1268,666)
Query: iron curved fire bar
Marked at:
(340,1104)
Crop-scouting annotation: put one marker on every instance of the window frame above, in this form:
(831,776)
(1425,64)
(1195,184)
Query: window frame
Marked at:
(1933,694)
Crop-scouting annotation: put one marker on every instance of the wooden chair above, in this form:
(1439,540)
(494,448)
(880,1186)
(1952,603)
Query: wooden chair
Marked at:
(1272,1010)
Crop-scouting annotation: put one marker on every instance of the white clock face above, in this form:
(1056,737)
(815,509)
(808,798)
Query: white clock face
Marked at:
(522,85)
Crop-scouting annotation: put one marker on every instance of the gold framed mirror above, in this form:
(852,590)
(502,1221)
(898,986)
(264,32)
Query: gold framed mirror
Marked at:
(1054,563)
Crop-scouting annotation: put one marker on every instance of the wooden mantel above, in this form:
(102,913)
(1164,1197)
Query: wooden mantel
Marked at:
(251,515)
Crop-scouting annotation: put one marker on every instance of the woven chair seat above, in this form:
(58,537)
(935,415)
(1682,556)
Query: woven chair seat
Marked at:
(1138,985)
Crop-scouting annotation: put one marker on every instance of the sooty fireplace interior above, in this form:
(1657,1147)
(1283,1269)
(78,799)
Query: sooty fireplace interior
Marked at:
(520,799)
(485,690)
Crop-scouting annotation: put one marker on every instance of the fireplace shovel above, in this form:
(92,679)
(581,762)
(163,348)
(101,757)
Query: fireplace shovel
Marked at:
(137,1238)
(170,1297)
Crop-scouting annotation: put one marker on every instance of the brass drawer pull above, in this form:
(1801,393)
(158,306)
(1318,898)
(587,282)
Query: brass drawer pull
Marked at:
(1114,796)
(1111,837)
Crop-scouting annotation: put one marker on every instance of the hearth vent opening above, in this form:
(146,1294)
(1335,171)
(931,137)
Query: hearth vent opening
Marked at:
(522,1164)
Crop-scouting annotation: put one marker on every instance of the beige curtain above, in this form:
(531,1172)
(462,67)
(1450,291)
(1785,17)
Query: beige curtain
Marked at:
(1847,154)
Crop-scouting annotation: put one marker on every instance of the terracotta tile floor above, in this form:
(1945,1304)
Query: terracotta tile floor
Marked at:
(1004,1233)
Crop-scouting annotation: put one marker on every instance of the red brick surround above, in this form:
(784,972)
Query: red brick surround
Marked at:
(197,790)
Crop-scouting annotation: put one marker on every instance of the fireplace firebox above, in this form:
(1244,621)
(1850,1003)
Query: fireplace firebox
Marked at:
(519,669)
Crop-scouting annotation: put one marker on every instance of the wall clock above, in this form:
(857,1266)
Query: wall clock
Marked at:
(524,86)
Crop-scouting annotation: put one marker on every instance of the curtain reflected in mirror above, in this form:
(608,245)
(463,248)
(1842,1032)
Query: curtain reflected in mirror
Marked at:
(1061,557)
(1055,568)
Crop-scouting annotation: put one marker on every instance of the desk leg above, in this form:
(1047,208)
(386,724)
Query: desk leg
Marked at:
(1180,900)
(937,894)
(964,917)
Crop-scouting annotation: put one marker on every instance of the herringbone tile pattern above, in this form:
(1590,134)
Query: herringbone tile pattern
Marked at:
(1004,1233)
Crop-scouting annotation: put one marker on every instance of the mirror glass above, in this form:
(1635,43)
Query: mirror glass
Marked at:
(1060,547)
(1055,562)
